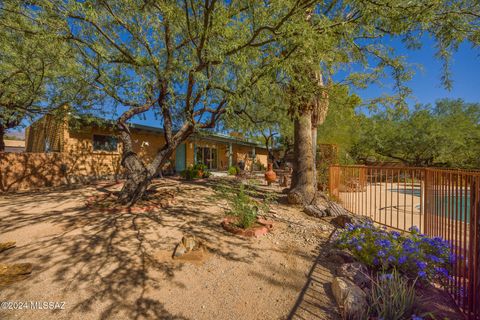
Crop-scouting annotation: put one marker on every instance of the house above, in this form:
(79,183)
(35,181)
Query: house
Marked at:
(95,149)
(14,145)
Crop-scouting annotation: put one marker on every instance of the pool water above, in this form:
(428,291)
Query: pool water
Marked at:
(460,203)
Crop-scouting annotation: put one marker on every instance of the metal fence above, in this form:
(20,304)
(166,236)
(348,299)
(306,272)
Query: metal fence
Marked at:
(444,203)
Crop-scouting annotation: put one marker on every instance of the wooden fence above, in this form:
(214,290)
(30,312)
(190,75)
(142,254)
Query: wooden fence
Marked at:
(440,202)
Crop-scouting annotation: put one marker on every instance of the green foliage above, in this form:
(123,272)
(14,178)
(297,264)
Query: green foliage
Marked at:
(233,170)
(193,63)
(244,208)
(259,166)
(38,69)
(196,171)
(447,134)
(392,297)
(244,201)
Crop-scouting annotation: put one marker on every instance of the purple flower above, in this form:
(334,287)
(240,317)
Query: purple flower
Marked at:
(442,271)
(402,259)
(383,243)
(434,258)
(415,317)
(386,276)
(414,229)
(421,265)
(422,274)
(395,234)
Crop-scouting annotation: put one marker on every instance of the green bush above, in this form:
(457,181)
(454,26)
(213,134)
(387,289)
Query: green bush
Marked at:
(244,208)
(260,166)
(242,204)
(196,171)
(392,297)
(233,170)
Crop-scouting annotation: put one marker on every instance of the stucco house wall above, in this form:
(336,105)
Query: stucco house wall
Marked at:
(58,154)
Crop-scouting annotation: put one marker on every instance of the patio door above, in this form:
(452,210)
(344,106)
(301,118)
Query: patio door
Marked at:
(207,156)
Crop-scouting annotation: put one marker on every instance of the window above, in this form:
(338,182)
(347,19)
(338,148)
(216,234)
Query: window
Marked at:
(104,143)
(207,156)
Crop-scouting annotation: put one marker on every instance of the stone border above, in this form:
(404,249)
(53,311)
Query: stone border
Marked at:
(228,224)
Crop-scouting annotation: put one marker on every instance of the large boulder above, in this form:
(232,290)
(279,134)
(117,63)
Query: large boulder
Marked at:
(350,297)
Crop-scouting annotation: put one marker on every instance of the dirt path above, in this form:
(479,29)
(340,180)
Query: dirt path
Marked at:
(119,266)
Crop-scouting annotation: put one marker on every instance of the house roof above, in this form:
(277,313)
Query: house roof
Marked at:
(203,134)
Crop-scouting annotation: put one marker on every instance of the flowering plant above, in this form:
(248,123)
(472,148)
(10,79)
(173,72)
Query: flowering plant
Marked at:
(412,254)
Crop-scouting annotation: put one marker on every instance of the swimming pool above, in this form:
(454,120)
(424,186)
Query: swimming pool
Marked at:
(449,206)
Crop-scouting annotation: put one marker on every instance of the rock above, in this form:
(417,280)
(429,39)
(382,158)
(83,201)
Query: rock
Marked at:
(340,256)
(188,243)
(15,269)
(355,271)
(7,245)
(315,211)
(350,297)
(180,250)
(335,210)
(342,220)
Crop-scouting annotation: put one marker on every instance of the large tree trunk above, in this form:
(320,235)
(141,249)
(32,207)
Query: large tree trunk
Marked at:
(2,141)
(139,175)
(302,190)
(314,154)
(304,179)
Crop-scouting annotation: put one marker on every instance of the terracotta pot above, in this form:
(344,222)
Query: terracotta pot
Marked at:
(270,175)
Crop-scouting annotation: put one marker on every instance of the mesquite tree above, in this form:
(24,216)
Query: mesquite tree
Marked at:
(38,71)
(187,61)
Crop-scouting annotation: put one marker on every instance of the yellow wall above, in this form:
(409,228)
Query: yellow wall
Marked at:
(78,159)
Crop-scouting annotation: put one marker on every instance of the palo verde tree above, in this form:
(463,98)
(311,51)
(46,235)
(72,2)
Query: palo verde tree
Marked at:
(38,71)
(188,61)
(358,33)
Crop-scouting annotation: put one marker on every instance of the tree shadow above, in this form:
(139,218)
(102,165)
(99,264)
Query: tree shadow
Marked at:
(110,258)
(315,300)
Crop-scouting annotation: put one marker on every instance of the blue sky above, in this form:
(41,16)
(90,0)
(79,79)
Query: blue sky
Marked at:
(426,83)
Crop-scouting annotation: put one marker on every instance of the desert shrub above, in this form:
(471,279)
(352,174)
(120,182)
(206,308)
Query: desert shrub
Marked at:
(392,297)
(412,254)
(232,170)
(244,208)
(242,202)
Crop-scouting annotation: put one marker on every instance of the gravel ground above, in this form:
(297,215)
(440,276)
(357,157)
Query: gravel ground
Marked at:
(118,265)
